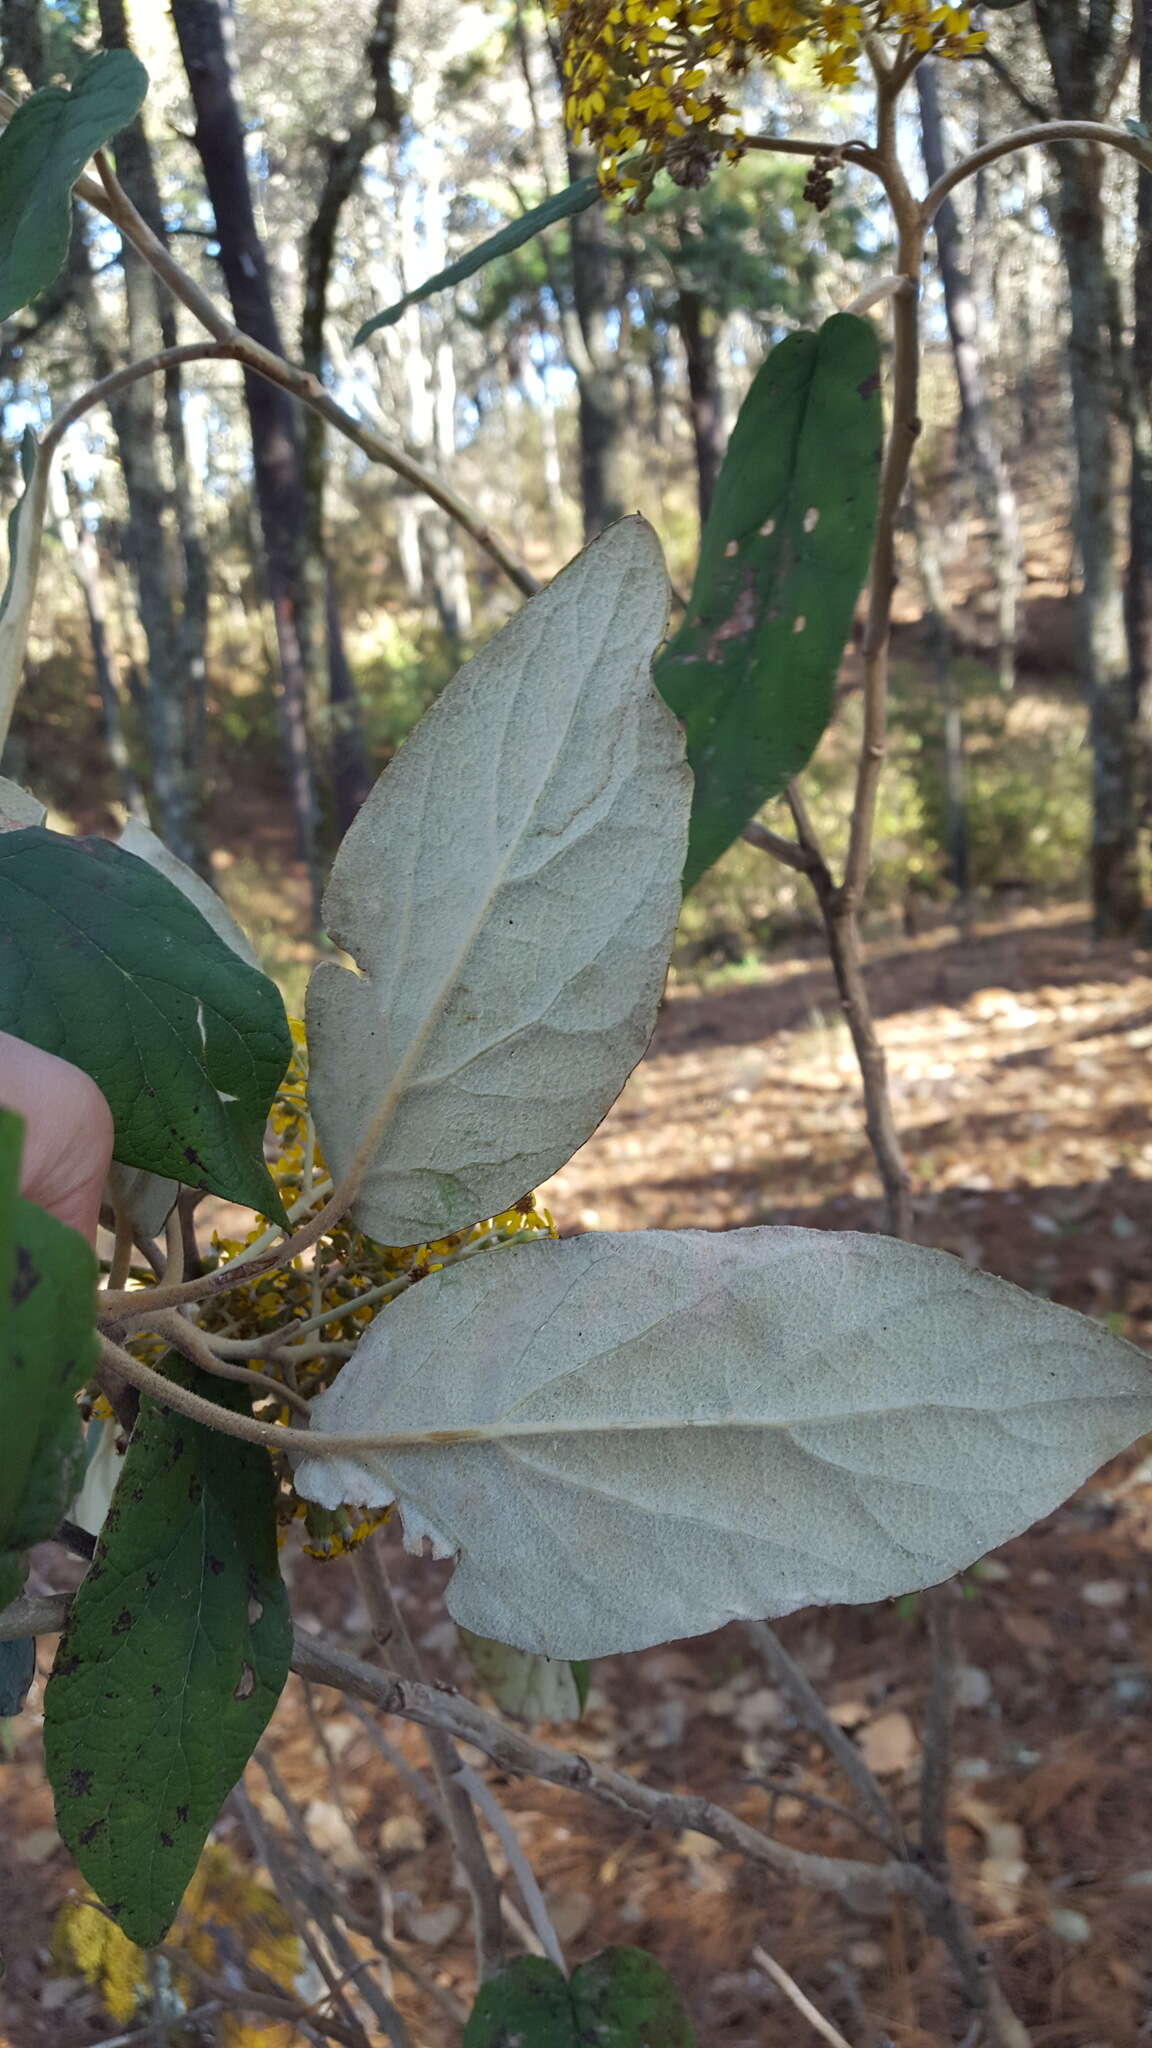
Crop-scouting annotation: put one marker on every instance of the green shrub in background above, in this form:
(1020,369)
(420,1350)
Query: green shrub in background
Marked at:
(1027,771)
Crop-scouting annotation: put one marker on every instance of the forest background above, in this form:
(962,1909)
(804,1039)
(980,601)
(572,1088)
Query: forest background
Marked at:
(241,616)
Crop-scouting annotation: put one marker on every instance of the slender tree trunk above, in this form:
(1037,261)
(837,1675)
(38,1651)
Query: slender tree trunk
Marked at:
(136,170)
(698,332)
(977,423)
(426,361)
(344,162)
(1116,892)
(162,541)
(603,400)
(84,556)
(1082,55)
(23,39)
(1139,585)
(203,30)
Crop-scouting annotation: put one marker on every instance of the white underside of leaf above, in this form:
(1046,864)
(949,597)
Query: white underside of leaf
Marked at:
(18,807)
(510,891)
(139,839)
(143,1199)
(666,1430)
(530,1688)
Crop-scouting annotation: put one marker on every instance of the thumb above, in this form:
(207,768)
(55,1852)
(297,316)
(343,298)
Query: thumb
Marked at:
(67,1132)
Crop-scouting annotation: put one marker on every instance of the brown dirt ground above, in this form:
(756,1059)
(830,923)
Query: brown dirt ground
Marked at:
(1019,1060)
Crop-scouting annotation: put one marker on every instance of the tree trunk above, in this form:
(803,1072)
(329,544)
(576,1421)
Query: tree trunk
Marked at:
(1082,56)
(698,331)
(84,556)
(203,31)
(162,543)
(977,424)
(1139,585)
(603,400)
(136,170)
(23,39)
(1116,892)
(345,158)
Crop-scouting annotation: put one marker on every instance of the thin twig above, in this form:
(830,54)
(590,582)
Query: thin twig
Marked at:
(936,1765)
(327,1663)
(803,2005)
(1027,138)
(511,1750)
(483,1798)
(303,1919)
(781,849)
(875,294)
(814,1714)
(111,200)
(784,1788)
(143,2034)
(193,1344)
(391,1633)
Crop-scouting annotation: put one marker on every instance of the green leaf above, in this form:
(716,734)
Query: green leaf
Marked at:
(109,965)
(526,2006)
(620,1999)
(752,670)
(561,206)
(174,1655)
(632,1437)
(48,1349)
(510,892)
(43,150)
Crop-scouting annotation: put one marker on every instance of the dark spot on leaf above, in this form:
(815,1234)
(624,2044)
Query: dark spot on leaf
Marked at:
(182,1815)
(195,1489)
(870,385)
(166,1838)
(193,1158)
(79,1783)
(122,1623)
(157,1690)
(89,1834)
(245,1684)
(137,1493)
(151,1580)
(25,1277)
(216,1566)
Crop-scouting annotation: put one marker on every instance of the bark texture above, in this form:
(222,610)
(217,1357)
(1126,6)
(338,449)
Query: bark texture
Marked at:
(1139,586)
(1082,48)
(344,159)
(977,421)
(203,29)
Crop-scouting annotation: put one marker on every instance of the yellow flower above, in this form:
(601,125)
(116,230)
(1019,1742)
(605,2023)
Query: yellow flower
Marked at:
(635,72)
(347,1267)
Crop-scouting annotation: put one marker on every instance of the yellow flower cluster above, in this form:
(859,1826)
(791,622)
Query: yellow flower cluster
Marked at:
(330,1282)
(645,79)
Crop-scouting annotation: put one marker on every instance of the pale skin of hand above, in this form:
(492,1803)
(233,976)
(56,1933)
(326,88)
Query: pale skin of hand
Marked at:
(67,1132)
